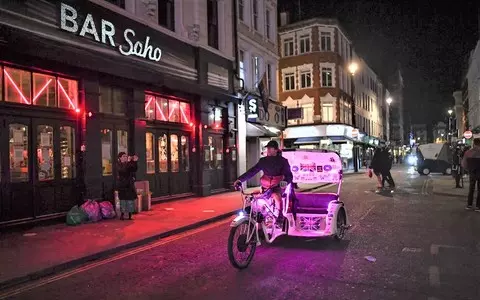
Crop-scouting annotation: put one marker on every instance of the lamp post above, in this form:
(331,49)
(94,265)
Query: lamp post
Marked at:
(352,68)
(449,133)
(389,102)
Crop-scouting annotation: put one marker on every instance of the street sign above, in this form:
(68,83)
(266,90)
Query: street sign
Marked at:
(467,134)
(354,132)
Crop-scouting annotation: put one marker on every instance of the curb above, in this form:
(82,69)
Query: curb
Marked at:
(12,283)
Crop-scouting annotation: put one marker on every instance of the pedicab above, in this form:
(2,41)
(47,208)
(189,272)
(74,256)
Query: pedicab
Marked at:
(307,215)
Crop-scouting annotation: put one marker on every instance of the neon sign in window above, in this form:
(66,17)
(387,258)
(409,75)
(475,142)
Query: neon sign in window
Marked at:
(25,87)
(167,110)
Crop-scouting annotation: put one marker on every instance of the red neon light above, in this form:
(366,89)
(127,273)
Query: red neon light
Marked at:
(16,87)
(41,91)
(77,110)
(66,95)
(148,103)
(183,114)
(162,115)
(171,112)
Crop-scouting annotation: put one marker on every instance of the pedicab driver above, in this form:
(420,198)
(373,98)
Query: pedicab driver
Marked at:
(275,169)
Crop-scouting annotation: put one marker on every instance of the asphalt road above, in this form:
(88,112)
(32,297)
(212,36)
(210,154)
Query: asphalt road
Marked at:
(422,246)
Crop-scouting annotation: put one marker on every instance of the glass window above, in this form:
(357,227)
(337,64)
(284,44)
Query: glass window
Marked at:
(173,111)
(269,79)
(150,107)
(161,105)
(256,70)
(208,153)
(306,79)
(185,154)
(45,162)
(325,41)
(267,23)
(218,151)
(288,48)
(327,112)
(327,78)
(107,161)
(174,153)
(67,152)
(212,23)
(1,83)
(255,14)
(241,8)
(185,112)
(113,100)
(166,13)
(289,81)
(304,44)
(122,141)
(44,92)
(105,100)
(67,93)
(17,85)
(18,153)
(150,152)
(162,153)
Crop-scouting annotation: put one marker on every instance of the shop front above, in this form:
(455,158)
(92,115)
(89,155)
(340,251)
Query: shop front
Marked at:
(260,127)
(334,137)
(72,97)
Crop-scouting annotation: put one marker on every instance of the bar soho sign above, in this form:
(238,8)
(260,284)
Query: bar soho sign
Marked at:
(69,22)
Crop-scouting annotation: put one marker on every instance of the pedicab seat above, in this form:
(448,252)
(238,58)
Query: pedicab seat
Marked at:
(308,203)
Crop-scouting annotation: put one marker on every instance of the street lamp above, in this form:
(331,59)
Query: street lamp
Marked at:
(352,68)
(450,112)
(449,138)
(389,100)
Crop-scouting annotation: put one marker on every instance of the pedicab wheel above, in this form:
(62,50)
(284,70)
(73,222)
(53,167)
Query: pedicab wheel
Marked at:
(341,225)
(240,253)
(426,171)
(448,171)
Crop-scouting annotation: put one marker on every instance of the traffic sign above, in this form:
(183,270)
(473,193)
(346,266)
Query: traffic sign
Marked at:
(467,134)
(354,132)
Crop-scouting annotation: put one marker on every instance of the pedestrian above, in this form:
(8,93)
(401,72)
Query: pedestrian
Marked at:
(126,168)
(375,167)
(456,166)
(386,166)
(471,163)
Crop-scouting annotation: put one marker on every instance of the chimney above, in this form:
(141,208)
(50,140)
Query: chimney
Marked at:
(284,18)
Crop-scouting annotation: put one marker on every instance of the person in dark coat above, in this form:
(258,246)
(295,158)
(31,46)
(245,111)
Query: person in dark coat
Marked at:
(376,167)
(126,168)
(387,161)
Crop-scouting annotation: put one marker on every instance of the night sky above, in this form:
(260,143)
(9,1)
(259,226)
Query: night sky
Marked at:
(430,40)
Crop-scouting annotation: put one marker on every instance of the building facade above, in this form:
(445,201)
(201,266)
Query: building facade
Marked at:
(398,135)
(473,89)
(316,86)
(84,81)
(257,59)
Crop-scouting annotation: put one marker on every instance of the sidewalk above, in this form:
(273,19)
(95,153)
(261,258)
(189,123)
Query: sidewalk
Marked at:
(47,250)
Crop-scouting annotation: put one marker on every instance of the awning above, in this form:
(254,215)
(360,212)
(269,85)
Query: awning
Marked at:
(255,130)
(308,140)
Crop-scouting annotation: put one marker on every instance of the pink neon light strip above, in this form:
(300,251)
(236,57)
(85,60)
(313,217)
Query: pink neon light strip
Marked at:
(171,112)
(148,103)
(66,95)
(41,91)
(162,115)
(183,114)
(16,87)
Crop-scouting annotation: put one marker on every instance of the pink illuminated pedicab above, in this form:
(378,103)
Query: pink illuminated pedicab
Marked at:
(306,214)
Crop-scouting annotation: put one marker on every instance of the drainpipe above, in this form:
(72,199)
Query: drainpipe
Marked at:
(235,44)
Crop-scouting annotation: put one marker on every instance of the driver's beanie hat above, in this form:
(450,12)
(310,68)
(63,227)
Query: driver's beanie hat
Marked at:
(272,144)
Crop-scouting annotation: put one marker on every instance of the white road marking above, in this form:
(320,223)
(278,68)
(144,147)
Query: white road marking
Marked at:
(48,280)
(432,298)
(208,211)
(434,276)
(169,208)
(413,250)
(366,214)
(434,248)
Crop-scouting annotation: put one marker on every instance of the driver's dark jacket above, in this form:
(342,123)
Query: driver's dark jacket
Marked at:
(271,166)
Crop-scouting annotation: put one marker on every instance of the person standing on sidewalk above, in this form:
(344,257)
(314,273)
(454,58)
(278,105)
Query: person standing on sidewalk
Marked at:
(471,163)
(456,166)
(126,168)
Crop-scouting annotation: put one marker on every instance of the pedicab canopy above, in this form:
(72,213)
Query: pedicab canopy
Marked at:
(314,166)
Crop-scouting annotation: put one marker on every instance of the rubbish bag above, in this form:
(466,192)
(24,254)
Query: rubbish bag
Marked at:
(92,209)
(107,211)
(76,216)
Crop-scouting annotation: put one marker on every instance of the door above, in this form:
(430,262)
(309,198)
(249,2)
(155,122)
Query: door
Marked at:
(168,162)
(16,163)
(114,139)
(53,165)
(214,162)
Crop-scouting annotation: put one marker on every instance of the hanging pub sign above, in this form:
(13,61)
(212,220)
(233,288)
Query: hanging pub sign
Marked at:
(275,116)
(104,31)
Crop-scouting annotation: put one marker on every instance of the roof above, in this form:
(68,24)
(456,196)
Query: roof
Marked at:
(311,22)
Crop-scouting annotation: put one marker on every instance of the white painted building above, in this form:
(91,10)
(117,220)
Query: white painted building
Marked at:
(257,55)
(473,79)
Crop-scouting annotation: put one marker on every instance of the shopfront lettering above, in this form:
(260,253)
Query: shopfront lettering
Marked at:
(69,22)
(252,108)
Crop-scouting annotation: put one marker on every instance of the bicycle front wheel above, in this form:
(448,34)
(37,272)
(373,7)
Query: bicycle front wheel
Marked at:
(241,251)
